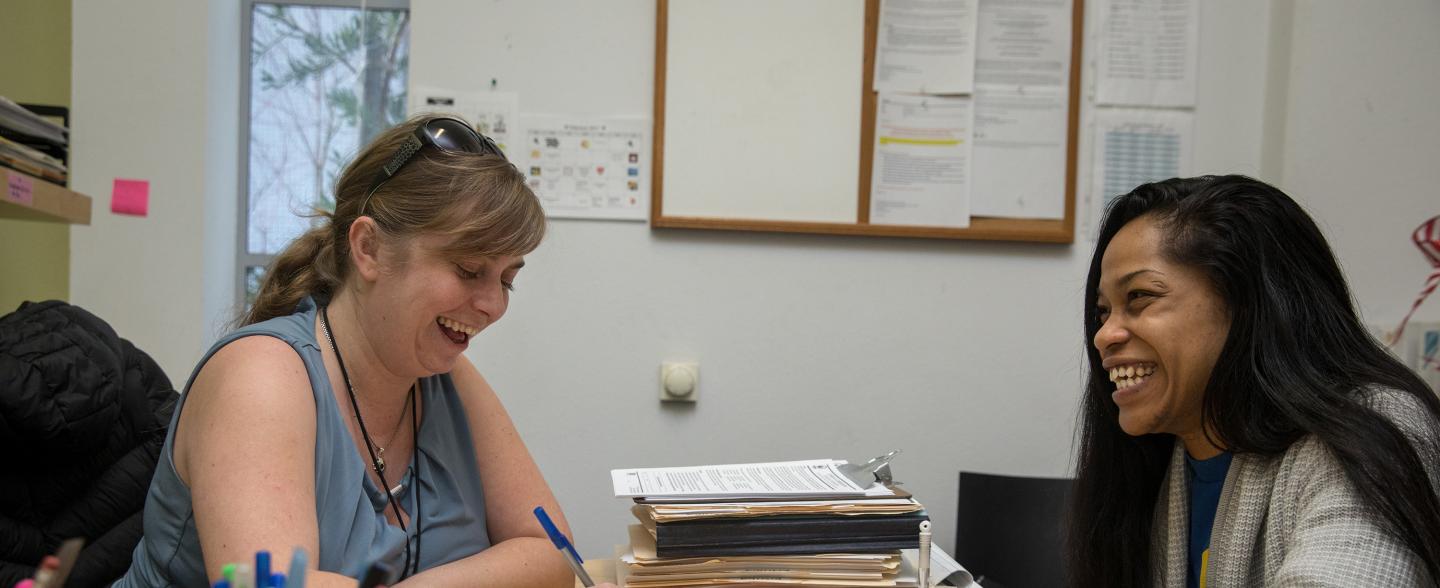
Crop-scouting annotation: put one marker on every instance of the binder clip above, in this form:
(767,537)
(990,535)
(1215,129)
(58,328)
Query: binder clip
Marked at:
(876,470)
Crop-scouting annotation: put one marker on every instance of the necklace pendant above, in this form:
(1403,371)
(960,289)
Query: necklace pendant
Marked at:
(379,465)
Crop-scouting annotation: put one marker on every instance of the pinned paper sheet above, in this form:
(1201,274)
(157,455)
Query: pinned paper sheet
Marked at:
(20,189)
(130,197)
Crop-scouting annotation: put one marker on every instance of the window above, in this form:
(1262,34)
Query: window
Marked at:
(321,79)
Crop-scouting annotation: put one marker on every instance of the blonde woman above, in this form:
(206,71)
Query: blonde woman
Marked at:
(343,417)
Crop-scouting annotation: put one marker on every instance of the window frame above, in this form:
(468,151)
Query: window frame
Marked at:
(243,258)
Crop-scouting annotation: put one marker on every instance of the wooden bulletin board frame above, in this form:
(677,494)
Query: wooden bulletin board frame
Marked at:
(981,228)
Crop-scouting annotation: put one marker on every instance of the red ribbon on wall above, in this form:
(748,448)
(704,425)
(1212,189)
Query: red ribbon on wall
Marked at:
(1427,238)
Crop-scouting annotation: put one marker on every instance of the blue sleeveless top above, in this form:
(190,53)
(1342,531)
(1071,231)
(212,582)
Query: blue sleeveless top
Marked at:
(349,506)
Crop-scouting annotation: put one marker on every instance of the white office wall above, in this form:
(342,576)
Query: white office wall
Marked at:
(1362,140)
(141,86)
(964,355)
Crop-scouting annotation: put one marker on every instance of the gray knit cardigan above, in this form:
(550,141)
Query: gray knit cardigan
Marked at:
(1294,519)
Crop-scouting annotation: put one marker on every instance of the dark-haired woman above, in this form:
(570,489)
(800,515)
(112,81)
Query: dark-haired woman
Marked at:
(1240,426)
(342,417)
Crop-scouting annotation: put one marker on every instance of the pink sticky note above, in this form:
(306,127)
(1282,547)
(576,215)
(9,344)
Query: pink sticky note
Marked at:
(130,197)
(20,189)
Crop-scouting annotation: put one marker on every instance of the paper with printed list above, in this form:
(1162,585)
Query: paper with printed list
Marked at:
(1148,52)
(790,479)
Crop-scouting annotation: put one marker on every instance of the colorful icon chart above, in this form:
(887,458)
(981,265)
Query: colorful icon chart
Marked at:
(588,168)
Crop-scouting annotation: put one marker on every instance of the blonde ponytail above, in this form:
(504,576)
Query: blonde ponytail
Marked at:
(306,267)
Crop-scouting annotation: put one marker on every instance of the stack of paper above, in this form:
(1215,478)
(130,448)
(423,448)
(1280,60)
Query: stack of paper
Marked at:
(17,119)
(767,524)
(23,136)
(669,511)
(19,157)
(790,527)
(642,567)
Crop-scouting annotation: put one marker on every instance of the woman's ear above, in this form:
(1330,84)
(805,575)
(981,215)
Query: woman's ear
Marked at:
(364,237)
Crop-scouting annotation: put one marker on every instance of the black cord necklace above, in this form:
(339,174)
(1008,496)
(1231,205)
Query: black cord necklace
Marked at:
(376,463)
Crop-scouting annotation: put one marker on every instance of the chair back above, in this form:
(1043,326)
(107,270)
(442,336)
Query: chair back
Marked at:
(1010,529)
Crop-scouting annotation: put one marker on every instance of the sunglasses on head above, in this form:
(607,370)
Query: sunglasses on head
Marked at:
(446,134)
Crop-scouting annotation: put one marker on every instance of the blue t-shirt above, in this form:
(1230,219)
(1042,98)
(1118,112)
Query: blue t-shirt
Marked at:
(1206,478)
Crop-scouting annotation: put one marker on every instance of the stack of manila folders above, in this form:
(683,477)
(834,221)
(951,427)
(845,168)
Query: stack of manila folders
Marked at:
(797,523)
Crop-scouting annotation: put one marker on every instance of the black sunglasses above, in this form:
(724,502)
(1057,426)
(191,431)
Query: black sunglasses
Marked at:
(446,134)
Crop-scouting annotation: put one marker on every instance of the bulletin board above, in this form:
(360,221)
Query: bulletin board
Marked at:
(765,116)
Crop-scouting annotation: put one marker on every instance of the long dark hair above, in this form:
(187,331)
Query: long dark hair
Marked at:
(1294,358)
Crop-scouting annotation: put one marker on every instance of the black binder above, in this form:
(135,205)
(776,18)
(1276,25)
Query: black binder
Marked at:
(790,535)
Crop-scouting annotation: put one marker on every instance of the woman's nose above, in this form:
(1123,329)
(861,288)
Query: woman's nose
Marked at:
(491,300)
(1112,332)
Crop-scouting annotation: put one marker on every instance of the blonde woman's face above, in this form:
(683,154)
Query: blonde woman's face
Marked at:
(434,305)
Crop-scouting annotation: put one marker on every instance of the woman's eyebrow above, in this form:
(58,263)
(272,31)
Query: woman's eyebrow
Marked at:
(1135,274)
(1125,279)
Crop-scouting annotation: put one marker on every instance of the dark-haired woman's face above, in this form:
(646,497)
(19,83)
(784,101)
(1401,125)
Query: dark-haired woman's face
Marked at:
(1162,326)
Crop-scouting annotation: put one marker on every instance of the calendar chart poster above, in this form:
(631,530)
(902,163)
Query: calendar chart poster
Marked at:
(588,168)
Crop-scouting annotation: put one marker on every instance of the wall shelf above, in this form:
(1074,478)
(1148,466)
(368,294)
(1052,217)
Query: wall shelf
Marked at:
(26,197)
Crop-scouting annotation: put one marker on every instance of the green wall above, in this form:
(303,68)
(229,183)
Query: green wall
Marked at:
(35,37)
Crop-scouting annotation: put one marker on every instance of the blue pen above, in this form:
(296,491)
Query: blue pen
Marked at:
(296,577)
(563,544)
(262,568)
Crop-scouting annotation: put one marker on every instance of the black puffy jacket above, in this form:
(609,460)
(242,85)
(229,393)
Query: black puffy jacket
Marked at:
(83,415)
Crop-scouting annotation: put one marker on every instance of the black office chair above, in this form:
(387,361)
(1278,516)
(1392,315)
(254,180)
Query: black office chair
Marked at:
(1009,530)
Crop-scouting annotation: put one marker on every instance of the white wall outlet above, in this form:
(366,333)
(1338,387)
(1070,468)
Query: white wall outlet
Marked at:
(679,381)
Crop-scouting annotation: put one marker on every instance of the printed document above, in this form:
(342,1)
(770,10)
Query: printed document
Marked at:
(1147,52)
(1023,42)
(922,161)
(926,47)
(1019,151)
(1022,77)
(821,477)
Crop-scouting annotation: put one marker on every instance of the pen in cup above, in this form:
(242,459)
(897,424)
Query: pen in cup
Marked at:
(297,568)
(563,544)
(262,568)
